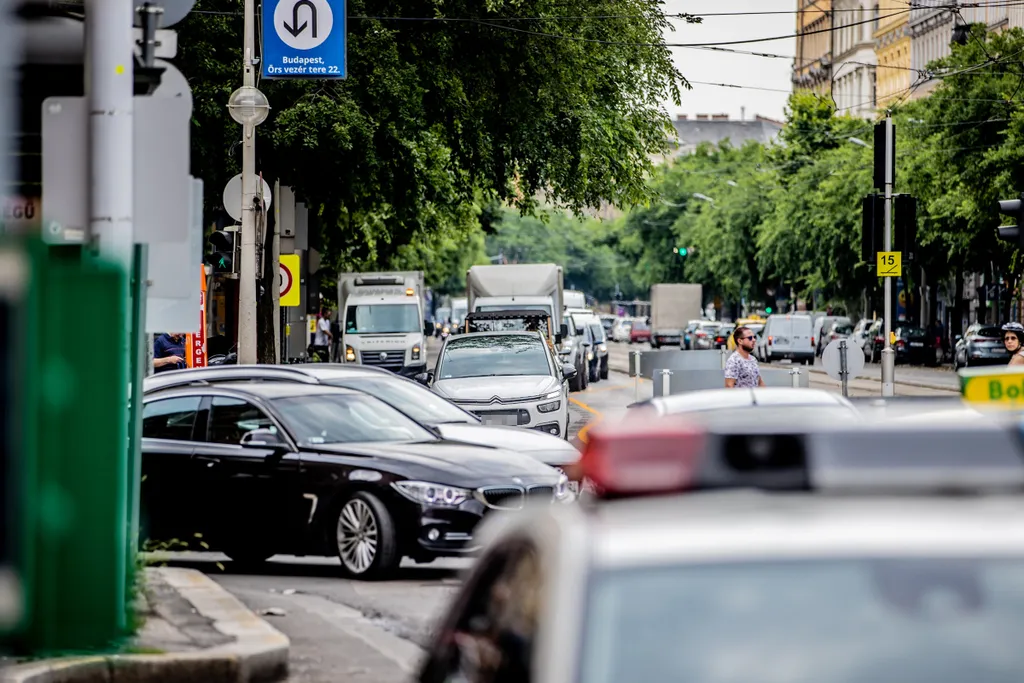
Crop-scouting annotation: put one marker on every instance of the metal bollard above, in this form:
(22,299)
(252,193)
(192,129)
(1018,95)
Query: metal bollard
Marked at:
(666,382)
(634,372)
(795,374)
(725,357)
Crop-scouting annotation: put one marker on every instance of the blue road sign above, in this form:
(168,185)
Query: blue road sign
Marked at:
(304,39)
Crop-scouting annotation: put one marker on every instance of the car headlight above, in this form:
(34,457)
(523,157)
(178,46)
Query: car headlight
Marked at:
(427,493)
(549,407)
(590,355)
(350,354)
(602,347)
(563,493)
(445,330)
(557,393)
(415,353)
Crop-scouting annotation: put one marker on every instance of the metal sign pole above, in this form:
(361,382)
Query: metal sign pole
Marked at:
(843,371)
(888,355)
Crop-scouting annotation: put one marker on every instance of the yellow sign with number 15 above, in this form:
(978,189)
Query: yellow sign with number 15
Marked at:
(890,263)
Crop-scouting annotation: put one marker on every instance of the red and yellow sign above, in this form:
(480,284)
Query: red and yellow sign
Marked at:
(196,343)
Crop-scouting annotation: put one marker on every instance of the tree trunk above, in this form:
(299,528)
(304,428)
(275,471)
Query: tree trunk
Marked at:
(265,336)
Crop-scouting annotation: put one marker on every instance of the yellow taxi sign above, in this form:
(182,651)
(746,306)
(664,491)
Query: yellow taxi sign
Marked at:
(1001,385)
(890,263)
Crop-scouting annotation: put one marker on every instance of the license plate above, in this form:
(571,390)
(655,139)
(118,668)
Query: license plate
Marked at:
(917,343)
(499,420)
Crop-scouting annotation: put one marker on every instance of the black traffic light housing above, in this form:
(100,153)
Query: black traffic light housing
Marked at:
(904,226)
(220,251)
(872,227)
(1014,208)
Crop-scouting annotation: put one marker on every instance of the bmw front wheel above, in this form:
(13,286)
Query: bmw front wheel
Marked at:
(366,538)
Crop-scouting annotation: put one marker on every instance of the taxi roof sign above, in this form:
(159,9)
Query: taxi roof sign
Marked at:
(1001,386)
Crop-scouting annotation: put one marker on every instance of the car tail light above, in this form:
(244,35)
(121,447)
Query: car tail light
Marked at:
(812,341)
(770,340)
(938,341)
(900,343)
(646,455)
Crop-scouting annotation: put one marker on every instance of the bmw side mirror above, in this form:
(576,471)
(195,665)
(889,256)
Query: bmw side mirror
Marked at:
(264,438)
(568,371)
(423,378)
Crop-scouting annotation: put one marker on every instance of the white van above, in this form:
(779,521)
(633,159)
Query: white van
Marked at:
(789,336)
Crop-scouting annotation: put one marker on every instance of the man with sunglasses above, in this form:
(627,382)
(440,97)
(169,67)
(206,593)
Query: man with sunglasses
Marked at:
(1013,340)
(741,369)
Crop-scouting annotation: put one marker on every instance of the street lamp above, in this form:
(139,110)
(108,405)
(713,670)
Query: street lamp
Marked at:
(249,107)
(706,198)
(858,141)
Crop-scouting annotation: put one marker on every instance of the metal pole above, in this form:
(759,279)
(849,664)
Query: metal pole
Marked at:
(247,260)
(666,382)
(275,285)
(109,75)
(844,373)
(795,375)
(888,355)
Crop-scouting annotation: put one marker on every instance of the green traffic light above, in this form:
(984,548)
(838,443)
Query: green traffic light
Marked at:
(768,310)
(683,251)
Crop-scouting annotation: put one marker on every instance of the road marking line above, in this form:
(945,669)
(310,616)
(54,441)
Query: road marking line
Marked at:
(617,387)
(582,433)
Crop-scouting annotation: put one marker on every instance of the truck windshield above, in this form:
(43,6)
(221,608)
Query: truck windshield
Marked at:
(514,307)
(382,319)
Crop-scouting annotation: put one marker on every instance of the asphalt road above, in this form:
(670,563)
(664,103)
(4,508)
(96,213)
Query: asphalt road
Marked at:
(374,631)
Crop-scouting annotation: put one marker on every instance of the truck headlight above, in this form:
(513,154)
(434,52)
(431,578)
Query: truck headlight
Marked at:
(415,353)
(427,493)
(350,354)
(549,407)
(602,347)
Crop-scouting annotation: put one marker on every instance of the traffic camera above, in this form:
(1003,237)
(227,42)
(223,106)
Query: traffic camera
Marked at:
(1014,208)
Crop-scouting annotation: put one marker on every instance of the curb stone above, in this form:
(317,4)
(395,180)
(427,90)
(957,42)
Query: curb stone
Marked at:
(624,368)
(258,652)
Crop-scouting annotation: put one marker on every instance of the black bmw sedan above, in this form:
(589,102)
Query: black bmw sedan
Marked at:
(259,469)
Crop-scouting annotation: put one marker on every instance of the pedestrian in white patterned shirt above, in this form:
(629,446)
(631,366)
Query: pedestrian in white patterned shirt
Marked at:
(741,369)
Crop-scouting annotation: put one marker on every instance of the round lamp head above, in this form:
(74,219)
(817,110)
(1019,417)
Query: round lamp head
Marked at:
(248,106)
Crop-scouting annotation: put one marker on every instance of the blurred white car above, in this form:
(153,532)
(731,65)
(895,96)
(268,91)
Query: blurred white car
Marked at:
(621,329)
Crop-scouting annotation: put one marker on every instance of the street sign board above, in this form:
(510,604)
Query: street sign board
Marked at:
(160,206)
(890,263)
(304,39)
(289,287)
(831,359)
(233,196)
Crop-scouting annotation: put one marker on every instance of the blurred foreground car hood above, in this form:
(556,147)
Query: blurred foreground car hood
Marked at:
(549,449)
(503,387)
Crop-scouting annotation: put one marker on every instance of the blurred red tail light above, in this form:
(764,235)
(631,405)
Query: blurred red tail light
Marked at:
(647,455)
(770,340)
(812,341)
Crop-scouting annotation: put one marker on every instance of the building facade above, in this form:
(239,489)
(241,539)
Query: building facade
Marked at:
(812,69)
(931,29)
(853,45)
(894,77)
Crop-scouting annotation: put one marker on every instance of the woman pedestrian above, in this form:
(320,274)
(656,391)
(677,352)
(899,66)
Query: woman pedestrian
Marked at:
(1013,340)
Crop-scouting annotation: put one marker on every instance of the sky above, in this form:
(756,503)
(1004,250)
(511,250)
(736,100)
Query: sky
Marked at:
(719,67)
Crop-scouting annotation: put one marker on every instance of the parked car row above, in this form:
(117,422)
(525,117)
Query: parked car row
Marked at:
(352,461)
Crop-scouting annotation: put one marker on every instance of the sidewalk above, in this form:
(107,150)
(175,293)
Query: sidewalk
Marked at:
(820,377)
(194,631)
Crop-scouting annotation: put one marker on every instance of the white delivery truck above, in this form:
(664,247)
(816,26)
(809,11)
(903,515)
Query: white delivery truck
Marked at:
(573,299)
(529,286)
(459,309)
(673,306)
(383,320)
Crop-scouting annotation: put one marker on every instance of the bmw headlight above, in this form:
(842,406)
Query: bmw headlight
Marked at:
(563,493)
(549,407)
(427,493)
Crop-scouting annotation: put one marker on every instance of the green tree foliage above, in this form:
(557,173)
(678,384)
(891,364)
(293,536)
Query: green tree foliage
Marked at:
(436,114)
(582,247)
(788,215)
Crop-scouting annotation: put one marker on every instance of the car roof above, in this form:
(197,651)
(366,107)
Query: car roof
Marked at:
(306,373)
(747,525)
(507,333)
(718,399)
(264,389)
